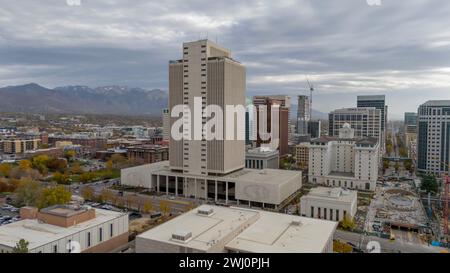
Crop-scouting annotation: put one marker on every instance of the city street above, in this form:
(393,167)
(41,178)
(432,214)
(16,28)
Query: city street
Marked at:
(387,246)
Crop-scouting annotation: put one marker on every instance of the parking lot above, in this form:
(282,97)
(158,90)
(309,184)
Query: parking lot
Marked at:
(8,215)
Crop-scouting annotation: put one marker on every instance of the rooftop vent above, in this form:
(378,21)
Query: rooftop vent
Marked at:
(296,223)
(182,236)
(205,211)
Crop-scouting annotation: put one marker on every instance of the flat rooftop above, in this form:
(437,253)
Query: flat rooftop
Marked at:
(277,233)
(265,231)
(63,210)
(267,176)
(335,194)
(38,234)
(205,229)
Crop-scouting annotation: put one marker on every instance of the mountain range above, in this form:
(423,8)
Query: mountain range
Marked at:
(118,100)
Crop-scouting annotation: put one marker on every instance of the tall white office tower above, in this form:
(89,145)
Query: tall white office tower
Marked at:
(206,72)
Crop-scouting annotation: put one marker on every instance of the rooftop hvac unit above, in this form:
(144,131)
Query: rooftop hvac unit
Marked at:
(182,236)
(208,211)
(296,223)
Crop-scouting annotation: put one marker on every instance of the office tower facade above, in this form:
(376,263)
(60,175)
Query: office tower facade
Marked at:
(365,120)
(377,101)
(344,160)
(283,123)
(166,123)
(314,128)
(208,72)
(433,141)
(410,118)
(303,115)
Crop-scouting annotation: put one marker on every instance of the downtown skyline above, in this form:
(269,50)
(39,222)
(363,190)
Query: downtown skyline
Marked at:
(342,47)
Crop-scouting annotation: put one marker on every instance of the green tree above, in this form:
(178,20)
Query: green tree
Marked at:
(54,196)
(21,246)
(429,184)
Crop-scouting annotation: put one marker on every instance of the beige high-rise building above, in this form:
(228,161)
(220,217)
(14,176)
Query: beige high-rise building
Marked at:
(166,123)
(206,72)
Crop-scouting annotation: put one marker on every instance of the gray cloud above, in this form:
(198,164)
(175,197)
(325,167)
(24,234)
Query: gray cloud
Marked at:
(400,48)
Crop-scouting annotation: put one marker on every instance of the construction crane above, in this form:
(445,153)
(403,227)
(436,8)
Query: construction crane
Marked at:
(311,90)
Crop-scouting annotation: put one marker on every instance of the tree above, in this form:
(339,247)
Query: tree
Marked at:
(40,161)
(396,166)
(21,246)
(165,207)
(87,193)
(25,165)
(385,164)
(341,247)
(118,159)
(5,169)
(28,192)
(76,169)
(148,207)
(408,165)
(429,184)
(69,155)
(57,164)
(348,223)
(86,177)
(109,165)
(107,196)
(60,178)
(54,196)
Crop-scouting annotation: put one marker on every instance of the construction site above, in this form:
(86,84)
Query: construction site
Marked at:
(397,212)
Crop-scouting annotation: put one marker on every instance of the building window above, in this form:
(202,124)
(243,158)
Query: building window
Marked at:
(88,239)
(111,230)
(312,212)
(100,234)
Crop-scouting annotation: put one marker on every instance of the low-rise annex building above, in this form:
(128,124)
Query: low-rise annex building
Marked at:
(266,188)
(329,203)
(217,229)
(62,228)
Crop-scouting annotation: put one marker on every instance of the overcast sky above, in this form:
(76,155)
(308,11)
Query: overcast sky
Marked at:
(347,47)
